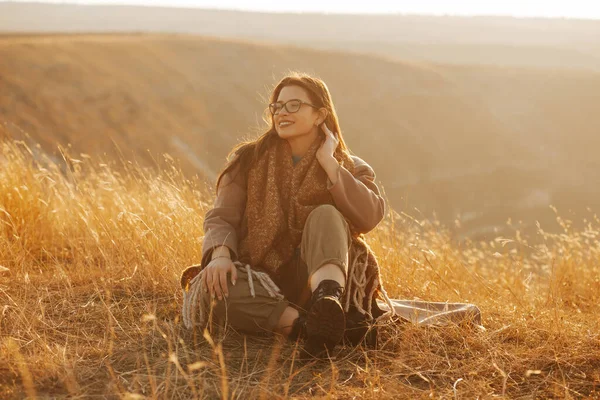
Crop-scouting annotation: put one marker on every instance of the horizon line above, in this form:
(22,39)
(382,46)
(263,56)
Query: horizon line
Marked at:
(172,5)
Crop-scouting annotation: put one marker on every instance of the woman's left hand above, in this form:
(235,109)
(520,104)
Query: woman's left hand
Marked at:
(327,149)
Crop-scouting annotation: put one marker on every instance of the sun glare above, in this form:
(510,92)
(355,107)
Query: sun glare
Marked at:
(517,8)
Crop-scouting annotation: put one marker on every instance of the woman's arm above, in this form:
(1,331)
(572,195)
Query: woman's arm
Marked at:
(222,222)
(357,197)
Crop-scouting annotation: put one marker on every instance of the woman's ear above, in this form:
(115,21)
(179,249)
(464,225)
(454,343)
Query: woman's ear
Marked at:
(323,113)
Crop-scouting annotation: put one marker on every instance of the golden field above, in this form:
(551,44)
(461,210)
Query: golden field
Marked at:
(91,254)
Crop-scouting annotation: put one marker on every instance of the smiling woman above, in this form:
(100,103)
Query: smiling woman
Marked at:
(295,123)
(287,227)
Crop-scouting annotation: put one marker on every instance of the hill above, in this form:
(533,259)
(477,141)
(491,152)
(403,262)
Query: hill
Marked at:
(477,143)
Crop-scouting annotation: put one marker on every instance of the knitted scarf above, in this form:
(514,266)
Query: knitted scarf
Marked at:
(280,196)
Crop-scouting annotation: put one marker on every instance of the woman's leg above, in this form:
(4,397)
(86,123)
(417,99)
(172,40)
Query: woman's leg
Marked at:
(286,321)
(327,271)
(243,312)
(325,247)
(325,244)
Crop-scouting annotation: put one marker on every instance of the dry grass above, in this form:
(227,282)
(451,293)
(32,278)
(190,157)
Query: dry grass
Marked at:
(90,301)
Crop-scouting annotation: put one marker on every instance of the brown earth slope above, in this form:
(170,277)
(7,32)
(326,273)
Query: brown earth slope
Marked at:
(487,143)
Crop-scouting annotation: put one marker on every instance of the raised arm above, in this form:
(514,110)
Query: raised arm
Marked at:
(222,222)
(357,196)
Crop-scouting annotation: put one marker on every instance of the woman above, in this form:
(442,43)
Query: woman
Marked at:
(283,249)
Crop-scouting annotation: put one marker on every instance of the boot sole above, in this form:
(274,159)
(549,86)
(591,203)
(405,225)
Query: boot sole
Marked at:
(325,324)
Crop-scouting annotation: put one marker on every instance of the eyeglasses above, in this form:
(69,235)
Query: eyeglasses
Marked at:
(291,106)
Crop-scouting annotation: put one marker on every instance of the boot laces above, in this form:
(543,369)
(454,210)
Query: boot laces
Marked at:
(328,287)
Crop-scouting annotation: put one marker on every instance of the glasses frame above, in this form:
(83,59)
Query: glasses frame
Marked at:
(284,105)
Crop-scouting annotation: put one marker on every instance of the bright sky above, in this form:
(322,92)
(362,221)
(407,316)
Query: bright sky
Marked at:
(519,8)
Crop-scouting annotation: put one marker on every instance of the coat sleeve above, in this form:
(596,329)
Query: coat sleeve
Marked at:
(357,196)
(222,222)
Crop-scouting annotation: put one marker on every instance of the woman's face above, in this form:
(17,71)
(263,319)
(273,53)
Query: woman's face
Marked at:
(300,123)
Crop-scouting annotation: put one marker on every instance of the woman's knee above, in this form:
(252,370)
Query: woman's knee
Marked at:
(326,214)
(325,211)
(241,310)
(235,293)
(325,220)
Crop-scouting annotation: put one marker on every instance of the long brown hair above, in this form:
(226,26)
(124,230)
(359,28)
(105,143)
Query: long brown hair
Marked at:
(319,95)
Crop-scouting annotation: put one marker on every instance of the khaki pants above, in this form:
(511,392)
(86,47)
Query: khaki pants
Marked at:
(326,239)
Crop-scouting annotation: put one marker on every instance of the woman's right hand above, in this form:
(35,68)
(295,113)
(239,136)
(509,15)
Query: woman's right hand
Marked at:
(215,276)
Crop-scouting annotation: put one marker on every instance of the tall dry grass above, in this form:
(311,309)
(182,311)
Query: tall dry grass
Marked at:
(91,258)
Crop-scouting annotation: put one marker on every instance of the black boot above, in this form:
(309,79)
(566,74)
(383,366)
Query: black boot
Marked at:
(325,322)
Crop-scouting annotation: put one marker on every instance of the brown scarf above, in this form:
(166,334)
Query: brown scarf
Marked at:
(280,196)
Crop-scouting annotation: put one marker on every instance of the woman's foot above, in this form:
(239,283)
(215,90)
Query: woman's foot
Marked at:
(326,321)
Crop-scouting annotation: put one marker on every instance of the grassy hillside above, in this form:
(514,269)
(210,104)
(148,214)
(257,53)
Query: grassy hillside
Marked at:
(89,264)
(473,143)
